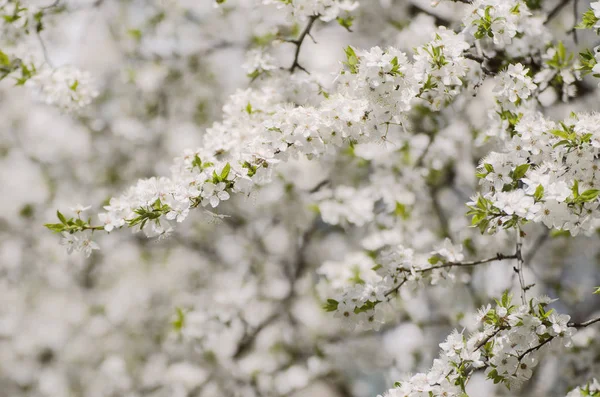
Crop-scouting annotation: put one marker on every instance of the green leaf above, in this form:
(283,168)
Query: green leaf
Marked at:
(589,195)
(197,162)
(369,305)
(254,74)
(434,259)
(534,4)
(575,188)
(539,193)
(561,143)
(506,298)
(61,217)
(559,233)
(136,34)
(331,305)
(55,227)
(597,291)
(4,59)
(401,211)
(520,171)
(351,60)
(26,211)
(588,20)
(225,172)
(179,321)
(346,22)
(560,134)
(395,67)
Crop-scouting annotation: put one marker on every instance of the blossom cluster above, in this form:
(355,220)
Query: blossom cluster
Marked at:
(363,282)
(376,89)
(505,25)
(442,66)
(507,347)
(18,19)
(560,70)
(67,88)
(513,85)
(547,173)
(592,389)
(326,10)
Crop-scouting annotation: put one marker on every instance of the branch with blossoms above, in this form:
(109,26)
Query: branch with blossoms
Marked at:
(65,87)
(506,348)
(211,174)
(374,283)
(375,87)
(521,189)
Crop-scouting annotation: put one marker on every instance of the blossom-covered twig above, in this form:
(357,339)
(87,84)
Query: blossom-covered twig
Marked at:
(358,304)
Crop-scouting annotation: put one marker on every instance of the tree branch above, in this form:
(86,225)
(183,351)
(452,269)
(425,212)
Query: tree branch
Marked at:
(488,338)
(480,60)
(575,18)
(297,272)
(498,257)
(531,349)
(54,4)
(574,325)
(439,211)
(248,339)
(298,43)
(396,288)
(584,324)
(519,268)
(556,10)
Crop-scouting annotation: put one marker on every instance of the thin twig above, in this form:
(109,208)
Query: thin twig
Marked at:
(298,43)
(248,339)
(439,211)
(526,352)
(396,288)
(488,338)
(519,268)
(44,49)
(56,2)
(498,257)
(320,185)
(421,158)
(298,271)
(556,10)
(480,60)
(584,324)
(575,18)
